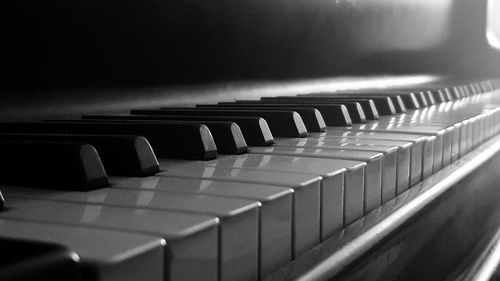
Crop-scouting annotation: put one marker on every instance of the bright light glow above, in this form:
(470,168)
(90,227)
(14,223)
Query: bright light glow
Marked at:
(492,39)
(493,24)
(338,84)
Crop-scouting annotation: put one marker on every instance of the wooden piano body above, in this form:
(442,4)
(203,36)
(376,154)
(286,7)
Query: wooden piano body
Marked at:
(66,59)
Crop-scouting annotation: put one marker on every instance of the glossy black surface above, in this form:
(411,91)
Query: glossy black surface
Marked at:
(227,135)
(283,123)
(186,141)
(2,201)
(121,155)
(311,117)
(367,105)
(342,113)
(22,260)
(255,129)
(51,164)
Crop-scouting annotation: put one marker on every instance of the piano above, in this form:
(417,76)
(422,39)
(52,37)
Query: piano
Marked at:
(250,140)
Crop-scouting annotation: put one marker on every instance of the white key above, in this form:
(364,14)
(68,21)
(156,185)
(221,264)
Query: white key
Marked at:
(335,172)
(442,141)
(332,184)
(275,214)
(405,149)
(306,202)
(238,218)
(422,142)
(192,240)
(401,154)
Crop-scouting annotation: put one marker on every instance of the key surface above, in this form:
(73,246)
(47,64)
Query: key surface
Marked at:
(424,143)
(121,155)
(107,255)
(389,163)
(238,218)
(331,171)
(442,142)
(275,213)
(406,151)
(306,204)
(51,164)
(396,166)
(191,238)
(356,198)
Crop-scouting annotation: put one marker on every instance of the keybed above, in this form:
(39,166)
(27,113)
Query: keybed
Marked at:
(236,190)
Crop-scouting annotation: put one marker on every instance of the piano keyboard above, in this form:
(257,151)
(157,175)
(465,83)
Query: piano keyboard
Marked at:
(234,191)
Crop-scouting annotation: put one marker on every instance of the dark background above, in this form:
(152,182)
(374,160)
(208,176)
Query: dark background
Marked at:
(83,48)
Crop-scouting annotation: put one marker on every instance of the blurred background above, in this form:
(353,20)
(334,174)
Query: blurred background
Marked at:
(110,54)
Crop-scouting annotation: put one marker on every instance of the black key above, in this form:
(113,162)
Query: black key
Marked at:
(184,141)
(402,100)
(282,123)
(121,155)
(333,114)
(312,117)
(51,164)
(405,99)
(227,135)
(422,98)
(457,92)
(448,94)
(354,109)
(397,101)
(466,91)
(437,94)
(384,105)
(255,129)
(24,260)
(367,105)
(2,201)
(429,96)
(398,104)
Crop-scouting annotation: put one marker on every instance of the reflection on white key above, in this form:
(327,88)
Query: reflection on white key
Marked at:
(421,143)
(92,212)
(324,164)
(275,213)
(401,154)
(239,219)
(191,239)
(306,229)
